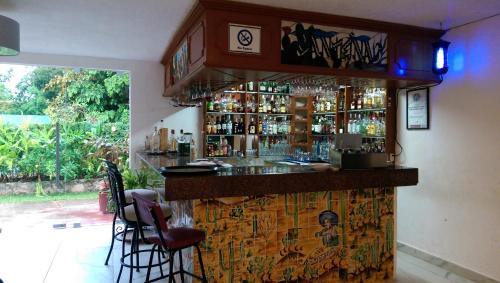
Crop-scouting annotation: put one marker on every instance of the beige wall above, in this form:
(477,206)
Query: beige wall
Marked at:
(454,211)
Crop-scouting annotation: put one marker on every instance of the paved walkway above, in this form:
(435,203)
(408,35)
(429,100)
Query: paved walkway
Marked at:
(72,213)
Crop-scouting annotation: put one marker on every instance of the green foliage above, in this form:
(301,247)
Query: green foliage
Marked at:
(91,108)
(28,152)
(133,179)
(47,197)
(31,98)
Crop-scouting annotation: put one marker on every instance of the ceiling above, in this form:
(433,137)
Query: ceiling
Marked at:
(141,30)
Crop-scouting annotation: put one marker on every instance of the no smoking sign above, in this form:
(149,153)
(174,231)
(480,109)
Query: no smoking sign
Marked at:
(244,38)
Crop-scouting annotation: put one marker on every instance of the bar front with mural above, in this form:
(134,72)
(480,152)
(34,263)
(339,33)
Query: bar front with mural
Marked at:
(298,231)
(298,112)
(329,236)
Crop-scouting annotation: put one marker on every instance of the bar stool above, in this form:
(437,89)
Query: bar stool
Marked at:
(126,213)
(171,239)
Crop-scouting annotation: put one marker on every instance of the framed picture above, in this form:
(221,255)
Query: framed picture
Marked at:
(417,109)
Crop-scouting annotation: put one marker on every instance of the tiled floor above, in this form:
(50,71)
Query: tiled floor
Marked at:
(78,254)
(31,251)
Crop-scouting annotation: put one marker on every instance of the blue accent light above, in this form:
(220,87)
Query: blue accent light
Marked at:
(440,58)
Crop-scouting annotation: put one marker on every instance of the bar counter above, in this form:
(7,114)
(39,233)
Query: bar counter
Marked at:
(256,176)
(268,222)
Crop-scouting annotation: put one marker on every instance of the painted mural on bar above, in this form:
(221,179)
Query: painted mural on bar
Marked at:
(332,236)
(333,47)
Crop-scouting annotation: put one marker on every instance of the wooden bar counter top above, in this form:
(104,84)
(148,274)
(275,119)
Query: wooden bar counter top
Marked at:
(255,176)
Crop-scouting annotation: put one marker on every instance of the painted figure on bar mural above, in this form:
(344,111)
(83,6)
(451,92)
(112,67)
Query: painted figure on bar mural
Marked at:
(329,221)
(333,236)
(334,47)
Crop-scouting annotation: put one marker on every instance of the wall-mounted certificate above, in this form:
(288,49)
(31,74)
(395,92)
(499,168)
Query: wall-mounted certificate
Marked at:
(417,109)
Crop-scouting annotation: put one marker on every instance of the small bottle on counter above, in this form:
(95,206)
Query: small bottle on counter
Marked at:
(147,144)
(155,141)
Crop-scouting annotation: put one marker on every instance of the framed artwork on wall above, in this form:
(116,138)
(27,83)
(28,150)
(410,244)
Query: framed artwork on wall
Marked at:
(417,109)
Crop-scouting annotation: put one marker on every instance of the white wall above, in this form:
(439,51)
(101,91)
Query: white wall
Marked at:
(147,106)
(454,211)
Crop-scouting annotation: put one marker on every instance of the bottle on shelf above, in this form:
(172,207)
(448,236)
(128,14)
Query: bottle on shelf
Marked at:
(261,105)
(229,126)
(241,127)
(283,105)
(223,126)
(252,127)
(208,127)
(218,126)
(341,102)
(210,105)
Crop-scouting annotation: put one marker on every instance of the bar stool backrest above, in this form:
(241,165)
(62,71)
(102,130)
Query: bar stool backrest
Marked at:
(150,213)
(117,190)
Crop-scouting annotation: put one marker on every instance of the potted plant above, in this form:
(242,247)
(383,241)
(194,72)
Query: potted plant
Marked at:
(103,197)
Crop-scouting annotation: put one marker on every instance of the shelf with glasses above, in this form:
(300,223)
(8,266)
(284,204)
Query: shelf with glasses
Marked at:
(274,93)
(373,137)
(323,135)
(225,113)
(224,135)
(324,113)
(366,110)
(274,135)
(275,114)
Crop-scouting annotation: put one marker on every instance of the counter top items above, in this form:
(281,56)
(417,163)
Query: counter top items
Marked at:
(188,170)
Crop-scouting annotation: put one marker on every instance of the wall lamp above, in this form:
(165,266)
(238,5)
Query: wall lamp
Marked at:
(9,37)
(440,57)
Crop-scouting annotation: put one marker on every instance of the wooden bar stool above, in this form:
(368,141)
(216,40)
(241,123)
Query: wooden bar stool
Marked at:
(171,239)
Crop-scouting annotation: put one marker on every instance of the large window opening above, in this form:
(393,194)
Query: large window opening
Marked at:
(56,127)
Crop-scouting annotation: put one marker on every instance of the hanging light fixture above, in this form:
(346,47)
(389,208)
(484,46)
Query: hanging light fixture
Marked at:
(9,37)
(440,57)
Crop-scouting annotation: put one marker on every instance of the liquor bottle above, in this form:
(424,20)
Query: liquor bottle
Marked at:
(147,144)
(264,126)
(316,104)
(260,127)
(250,86)
(173,142)
(223,125)
(261,106)
(218,126)
(229,126)
(314,128)
(210,105)
(262,87)
(155,141)
(224,147)
(216,104)
(341,102)
(322,105)
(359,101)
(275,127)
(251,127)
(269,106)
(328,106)
(208,127)
(283,105)
(241,126)
(275,104)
